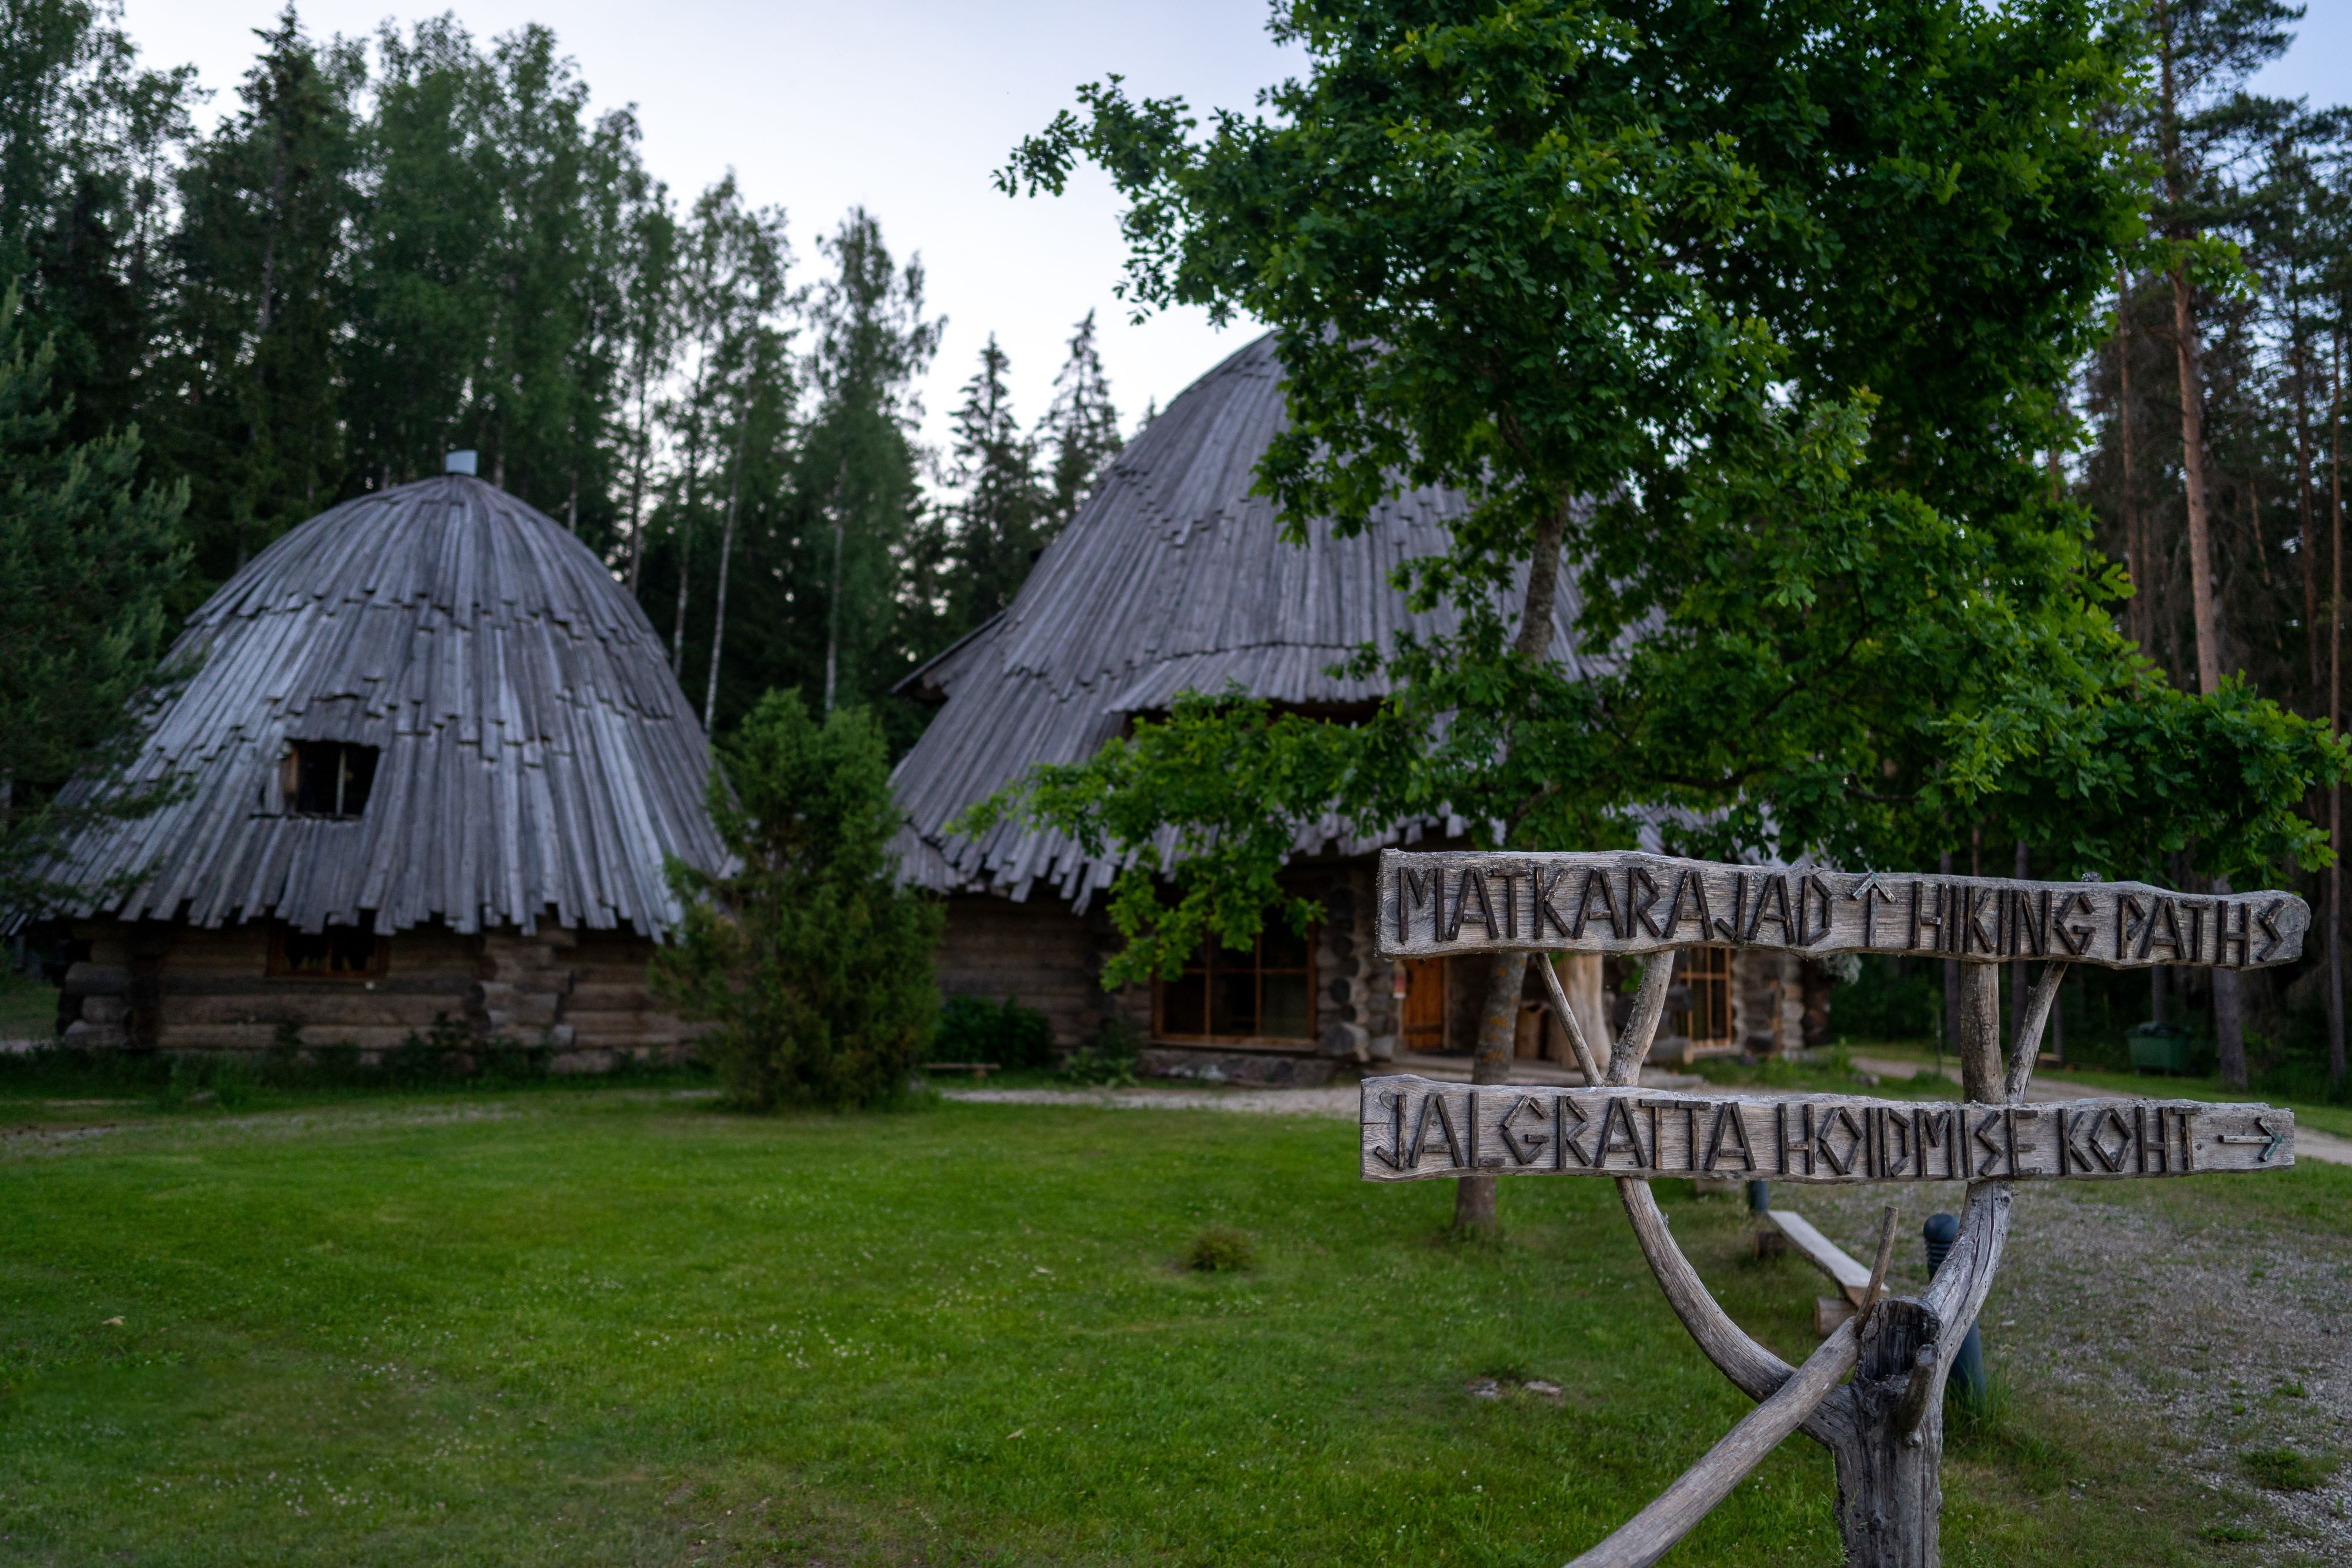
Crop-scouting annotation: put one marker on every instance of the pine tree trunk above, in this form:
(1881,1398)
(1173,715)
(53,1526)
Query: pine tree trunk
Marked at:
(2229,1028)
(1951,976)
(2229,1033)
(2017,970)
(2308,544)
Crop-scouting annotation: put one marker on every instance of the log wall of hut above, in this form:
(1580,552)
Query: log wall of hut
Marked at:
(152,985)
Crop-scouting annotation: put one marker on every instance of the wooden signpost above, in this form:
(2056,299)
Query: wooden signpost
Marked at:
(1884,1425)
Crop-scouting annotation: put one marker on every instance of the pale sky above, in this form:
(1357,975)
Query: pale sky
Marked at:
(906,107)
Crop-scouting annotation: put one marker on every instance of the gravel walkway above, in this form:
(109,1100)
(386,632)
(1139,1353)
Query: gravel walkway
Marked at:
(2229,1337)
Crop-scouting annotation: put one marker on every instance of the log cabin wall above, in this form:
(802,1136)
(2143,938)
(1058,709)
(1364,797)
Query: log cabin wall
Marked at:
(152,985)
(1768,1001)
(1355,1004)
(1035,951)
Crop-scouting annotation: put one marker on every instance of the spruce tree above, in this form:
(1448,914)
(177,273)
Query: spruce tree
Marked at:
(1080,430)
(422,268)
(89,559)
(815,964)
(999,520)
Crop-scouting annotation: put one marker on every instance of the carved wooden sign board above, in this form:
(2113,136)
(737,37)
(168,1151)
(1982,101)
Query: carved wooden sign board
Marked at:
(1885,1427)
(1626,902)
(1416,1128)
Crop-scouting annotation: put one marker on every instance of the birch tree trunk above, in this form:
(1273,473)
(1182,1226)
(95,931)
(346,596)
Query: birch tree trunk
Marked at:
(2335,714)
(2143,571)
(2192,466)
(641,452)
(726,551)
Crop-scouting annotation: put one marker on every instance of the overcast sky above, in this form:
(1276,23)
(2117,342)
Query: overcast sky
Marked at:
(906,107)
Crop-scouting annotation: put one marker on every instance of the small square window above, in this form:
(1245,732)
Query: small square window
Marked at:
(338,953)
(328,778)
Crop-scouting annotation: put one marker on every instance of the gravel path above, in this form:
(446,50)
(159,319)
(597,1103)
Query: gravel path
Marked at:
(2224,1335)
(1337,1101)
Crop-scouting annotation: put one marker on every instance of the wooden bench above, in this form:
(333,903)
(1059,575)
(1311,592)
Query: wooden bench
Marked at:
(979,1070)
(1841,1266)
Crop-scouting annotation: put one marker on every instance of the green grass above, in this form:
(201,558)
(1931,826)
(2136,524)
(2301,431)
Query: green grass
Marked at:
(562,1326)
(2285,1469)
(28,1007)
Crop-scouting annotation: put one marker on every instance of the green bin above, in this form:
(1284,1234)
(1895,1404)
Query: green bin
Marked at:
(2159,1047)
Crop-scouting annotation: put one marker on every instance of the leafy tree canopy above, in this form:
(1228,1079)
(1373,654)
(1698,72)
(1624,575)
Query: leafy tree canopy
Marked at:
(1754,317)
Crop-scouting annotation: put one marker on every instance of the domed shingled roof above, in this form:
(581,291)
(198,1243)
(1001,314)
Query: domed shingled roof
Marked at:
(536,753)
(1170,578)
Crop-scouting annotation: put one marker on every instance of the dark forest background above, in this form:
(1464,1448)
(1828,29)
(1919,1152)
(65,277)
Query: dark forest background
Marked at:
(392,248)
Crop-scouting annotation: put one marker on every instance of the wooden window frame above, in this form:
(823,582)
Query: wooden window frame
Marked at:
(1160,1034)
(290,779)
(283,965)
(1718,971)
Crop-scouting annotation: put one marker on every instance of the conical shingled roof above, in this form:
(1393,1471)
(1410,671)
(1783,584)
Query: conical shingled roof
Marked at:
(1170,578)
(537,752)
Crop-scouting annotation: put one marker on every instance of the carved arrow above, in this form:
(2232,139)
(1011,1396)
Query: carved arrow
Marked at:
(2270,1139)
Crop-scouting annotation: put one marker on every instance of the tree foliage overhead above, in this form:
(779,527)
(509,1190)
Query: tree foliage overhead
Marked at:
(1754,317)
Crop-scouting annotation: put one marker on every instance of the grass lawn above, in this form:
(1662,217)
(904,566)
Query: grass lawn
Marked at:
(620,1326)
(28,1007)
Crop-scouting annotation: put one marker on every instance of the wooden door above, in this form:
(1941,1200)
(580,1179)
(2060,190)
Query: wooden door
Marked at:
(1424,1023)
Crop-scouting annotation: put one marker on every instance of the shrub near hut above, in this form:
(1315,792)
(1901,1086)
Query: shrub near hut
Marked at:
(815,964)
(972,1028)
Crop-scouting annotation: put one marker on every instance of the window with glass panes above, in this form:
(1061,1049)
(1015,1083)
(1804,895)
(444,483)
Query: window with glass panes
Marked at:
(1705,972)
(1263,992)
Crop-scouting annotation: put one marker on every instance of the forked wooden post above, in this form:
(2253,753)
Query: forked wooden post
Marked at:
(1873,1393)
